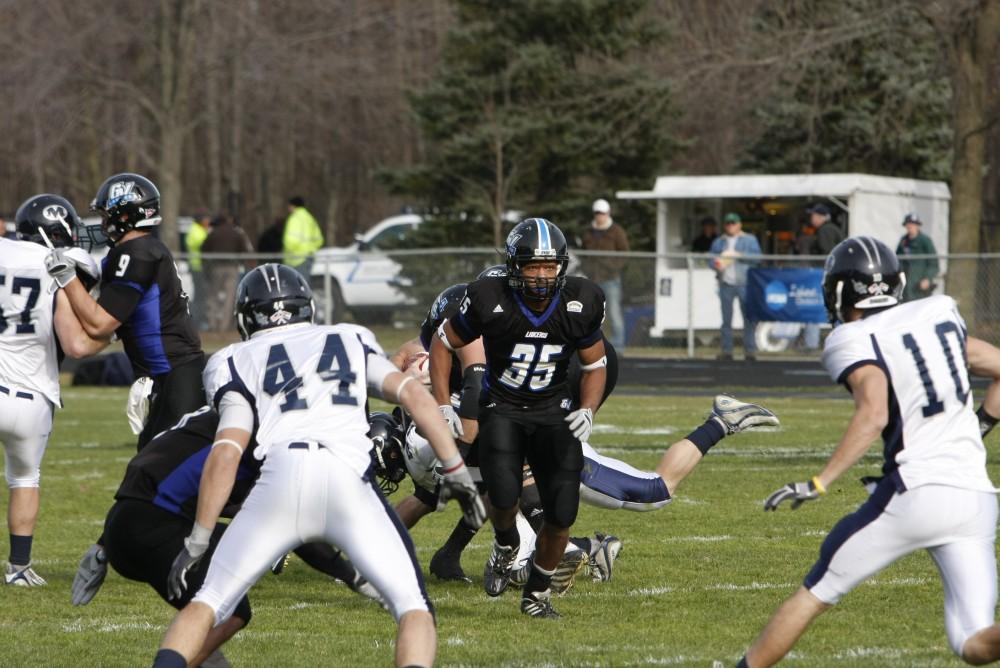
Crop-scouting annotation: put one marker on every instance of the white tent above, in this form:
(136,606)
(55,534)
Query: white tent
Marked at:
(875,205)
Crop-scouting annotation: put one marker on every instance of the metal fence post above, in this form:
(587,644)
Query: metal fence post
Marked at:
(327,290)
(690,305)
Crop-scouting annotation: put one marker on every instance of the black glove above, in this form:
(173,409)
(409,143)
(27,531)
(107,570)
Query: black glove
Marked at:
(799,492)
(456,483)
(195,547)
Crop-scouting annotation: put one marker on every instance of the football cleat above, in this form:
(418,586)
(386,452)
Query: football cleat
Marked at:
(496,575)
(539,604)
(447,566)
(735,416)
(216,660)
(22,576)
(362,586)
(519,575)
(279,566)
(602,562)
(574,561)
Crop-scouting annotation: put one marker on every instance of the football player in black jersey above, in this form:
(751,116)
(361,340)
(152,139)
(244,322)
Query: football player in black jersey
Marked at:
(531,322)
(142,302)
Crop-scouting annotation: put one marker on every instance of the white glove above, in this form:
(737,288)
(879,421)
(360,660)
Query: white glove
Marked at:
(195,547)
(451,417)
(137,408)
(87,269)
(61,267)
(581,423)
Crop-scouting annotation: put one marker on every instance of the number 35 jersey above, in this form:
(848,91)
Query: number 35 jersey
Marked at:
(932,437)
(528,353)
(27,344)
(306,383)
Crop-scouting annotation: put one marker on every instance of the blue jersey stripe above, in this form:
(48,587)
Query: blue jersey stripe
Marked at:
(182,483)
(149,332)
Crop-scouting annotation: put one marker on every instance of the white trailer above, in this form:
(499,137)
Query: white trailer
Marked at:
(875,206)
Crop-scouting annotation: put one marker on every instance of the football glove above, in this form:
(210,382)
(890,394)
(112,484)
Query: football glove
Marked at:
(61,267)
(451,417)
(456,483)
(581,423)
(90,575)
(798,492)
(195,547)
(870,482)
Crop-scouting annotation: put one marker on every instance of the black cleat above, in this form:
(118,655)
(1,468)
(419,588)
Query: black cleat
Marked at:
(448,566)
(539,604)
(496,575)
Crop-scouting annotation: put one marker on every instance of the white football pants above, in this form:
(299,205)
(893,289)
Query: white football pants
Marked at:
(25,424)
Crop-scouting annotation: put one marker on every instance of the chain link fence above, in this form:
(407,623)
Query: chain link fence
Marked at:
(670,302)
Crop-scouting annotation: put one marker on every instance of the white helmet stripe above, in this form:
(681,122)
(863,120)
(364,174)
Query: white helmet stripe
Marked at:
(860,242)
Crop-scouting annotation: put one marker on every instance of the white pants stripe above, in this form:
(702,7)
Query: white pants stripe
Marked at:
(956,526)
(308,495)
(25,425)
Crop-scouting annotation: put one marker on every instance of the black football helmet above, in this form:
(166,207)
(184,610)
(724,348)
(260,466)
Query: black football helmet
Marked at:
(272,295)
(536,240)
(126,202)
(861,273)
(387,451)
(496,271)
(47,220)
(445,305)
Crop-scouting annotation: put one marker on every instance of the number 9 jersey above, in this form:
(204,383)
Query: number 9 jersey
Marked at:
(932,437)
(528,353)
(305,382)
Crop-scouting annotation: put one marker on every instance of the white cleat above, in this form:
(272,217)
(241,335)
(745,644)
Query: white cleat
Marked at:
(735,416)
(22,576)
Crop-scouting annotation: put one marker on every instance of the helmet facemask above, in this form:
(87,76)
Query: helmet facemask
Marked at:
(538,288)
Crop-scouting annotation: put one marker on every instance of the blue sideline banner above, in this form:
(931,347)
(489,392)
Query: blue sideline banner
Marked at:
(786,295)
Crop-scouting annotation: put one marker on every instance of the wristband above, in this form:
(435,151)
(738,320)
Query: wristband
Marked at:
(818,485)
(453,464)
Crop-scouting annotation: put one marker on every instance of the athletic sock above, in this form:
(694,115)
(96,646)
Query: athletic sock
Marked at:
(707,435)
(742,663)
(460,536)
(584,544)
(986,421)
(508,537)
(538,579)
(20,550)
(168,658)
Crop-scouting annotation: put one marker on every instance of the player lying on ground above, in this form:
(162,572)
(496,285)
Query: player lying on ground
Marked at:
(906,366)
(298,384)
(37,326)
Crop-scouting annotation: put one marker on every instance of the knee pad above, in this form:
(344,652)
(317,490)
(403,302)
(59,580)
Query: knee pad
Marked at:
(15,481)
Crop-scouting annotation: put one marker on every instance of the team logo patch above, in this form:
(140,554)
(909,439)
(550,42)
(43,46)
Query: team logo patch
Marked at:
(55,213)
(498,309)
(280,315)
(878,289)
(566,404)
(574,307)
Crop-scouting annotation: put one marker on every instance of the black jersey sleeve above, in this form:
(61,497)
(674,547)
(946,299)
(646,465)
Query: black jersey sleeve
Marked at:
(470,319)
(590,297)
(128,273)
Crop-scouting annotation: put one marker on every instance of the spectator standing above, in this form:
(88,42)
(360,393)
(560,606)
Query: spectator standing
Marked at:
(193,241)
(804,242)
(302,237)
(224,274)
(828,234)
(270,240)
(734,248)
(709,232)
(604,234)
(920,273)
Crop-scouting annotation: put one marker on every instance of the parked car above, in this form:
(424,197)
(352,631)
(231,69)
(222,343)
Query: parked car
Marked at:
(363,279)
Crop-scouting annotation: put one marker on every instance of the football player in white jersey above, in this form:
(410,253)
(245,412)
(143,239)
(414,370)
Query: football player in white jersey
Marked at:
(907,367)
(29,361)
(302,388)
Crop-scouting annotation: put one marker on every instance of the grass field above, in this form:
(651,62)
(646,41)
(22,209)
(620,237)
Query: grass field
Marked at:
(695,581)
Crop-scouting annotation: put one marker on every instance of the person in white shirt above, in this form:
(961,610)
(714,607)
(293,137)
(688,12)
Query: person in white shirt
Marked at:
(907,367)
(29,360)
(301,388)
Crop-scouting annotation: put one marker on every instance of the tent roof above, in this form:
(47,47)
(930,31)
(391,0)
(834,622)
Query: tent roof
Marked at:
(786,185)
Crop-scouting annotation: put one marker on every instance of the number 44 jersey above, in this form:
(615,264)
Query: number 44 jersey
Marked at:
(932,437)
(306,383)
(528,353)
(28,358)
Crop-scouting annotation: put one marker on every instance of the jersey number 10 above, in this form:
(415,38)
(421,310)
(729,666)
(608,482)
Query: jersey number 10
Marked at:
(280,376)
(934,404)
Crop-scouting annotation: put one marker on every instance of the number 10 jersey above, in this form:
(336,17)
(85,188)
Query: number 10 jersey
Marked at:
(932,437)
(528,353)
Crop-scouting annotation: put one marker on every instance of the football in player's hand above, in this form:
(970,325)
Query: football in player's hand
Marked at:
(419,366)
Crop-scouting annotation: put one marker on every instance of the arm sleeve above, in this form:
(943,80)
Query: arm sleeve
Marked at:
(848,348)
(235,412)
(377,369)
(129,276)
(467,323)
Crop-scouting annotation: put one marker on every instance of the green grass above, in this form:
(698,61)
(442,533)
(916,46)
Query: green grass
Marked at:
(696,581)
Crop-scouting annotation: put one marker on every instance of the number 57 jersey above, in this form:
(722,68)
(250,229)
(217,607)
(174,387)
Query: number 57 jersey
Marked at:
(932,437)
(305,383)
